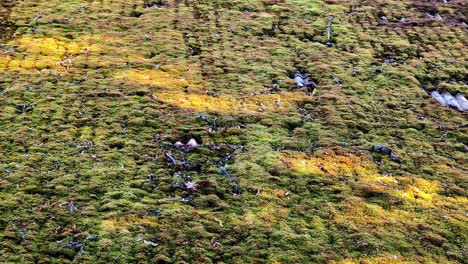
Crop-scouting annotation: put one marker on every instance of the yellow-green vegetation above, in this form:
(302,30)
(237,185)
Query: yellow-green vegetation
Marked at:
(172,131)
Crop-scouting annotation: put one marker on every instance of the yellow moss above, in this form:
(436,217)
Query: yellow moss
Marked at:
(125,223)
(333,165)
(43,46)
(358,214)
(185,90)
(272,194)
(397,259)
(266,215)
(38,53)
(391,259)
(460,201)
(456,173)
(421,191)
(46,62)
(228,104)
(112,224)
(156,78)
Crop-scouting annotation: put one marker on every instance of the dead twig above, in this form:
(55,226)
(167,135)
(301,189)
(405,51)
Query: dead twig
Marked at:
(329,28)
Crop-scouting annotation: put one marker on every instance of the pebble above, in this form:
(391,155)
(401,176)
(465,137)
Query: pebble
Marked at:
(302,80)
(192,143)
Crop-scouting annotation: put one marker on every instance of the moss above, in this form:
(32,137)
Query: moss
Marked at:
(95,95)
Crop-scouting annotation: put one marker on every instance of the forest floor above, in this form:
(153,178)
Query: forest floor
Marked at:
(241,131)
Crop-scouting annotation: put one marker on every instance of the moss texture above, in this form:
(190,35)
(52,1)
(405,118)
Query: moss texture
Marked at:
(95,94)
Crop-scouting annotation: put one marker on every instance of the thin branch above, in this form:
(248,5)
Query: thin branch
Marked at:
(329,28)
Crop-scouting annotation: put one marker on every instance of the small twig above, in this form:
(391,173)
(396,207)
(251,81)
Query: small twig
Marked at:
(116,258)
(329,28)
(3,92)
(33,22)
(173,160)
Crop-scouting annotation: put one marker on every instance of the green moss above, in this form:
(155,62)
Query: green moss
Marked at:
(91,158)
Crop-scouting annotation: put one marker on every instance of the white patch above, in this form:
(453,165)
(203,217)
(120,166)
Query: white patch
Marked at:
(192,143)
(458,101)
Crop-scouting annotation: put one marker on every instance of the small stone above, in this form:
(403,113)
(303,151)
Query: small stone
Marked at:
(462,102)
(302,80)
(191,186)
(394,157)
(343,144)
(381,149)
(451,101)
(458,101)
(192,143)
(151,243)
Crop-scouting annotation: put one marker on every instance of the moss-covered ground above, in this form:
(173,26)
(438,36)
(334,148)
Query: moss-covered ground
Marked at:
(95,94)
